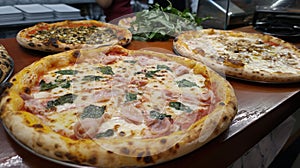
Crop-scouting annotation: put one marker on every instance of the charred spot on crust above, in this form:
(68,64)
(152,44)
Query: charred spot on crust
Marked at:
(222,103)
(37,126)
(71,157)
(110,152)
(163,141)
(148,159)
(67,48)
(8,100)
(31,44)
(27,90)
(58,154)
(39,144)
(53,42)
(125,150)
(92,160)
(7,85)
(225,118)
(76,54)
(140,156)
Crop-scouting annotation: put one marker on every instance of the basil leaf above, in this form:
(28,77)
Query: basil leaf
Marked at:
(67,72)
(186,83)
(180,106)
(47,86)
(130,97)
(158,116)
(107,70)
(92,78)
(107,133)
(67,98)
(151,74)
(163,67)
(92,111)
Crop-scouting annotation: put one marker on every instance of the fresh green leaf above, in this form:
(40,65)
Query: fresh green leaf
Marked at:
(107,133)
(163,67)
(92,78)
(180,106)
(185,83)
(130,97)
(93,111)
(158,116)
(107,70)
(67,72)
(67,98)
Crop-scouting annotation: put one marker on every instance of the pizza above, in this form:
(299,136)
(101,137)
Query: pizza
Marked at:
(115,107)
(6,64)
(248,56)
(66,35)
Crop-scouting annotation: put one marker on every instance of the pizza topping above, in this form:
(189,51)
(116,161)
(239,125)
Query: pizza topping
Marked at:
(92,111)
(242,51)
(68,98)
(74,35)
(141,100)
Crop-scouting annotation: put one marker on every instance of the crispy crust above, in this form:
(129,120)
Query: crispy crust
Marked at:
(237,71)
(6,64)
(31,131)
(124,37)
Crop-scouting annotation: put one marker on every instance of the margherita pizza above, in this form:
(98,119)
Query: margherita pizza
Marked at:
(66,35)
(248,56)
(114,107)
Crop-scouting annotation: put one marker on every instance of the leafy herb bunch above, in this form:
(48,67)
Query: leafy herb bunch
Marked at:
(159,23)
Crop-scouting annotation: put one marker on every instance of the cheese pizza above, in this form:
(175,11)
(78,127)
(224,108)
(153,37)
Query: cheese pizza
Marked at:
(114,107)
(247,56)
(66,35)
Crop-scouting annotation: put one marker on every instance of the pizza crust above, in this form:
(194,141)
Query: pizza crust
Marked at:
(31,130)
(235,68)
(123,37)
(6,65)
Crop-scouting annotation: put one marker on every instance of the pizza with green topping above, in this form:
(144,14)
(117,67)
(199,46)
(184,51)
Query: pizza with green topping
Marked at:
(247,56)
(67,35)
(114,107)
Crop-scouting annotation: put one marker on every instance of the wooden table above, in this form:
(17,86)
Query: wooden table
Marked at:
(261,108)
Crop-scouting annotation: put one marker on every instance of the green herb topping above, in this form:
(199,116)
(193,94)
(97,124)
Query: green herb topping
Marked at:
(107,133)
(180,106)
(160,23)
(64,83)
(130,96)
(67,98)
(67,72)
(186,83)
(92,78)
(158,116)
(92,111)
(107,70)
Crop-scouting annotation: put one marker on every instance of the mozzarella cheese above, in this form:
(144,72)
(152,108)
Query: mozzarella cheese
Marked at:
(134,93)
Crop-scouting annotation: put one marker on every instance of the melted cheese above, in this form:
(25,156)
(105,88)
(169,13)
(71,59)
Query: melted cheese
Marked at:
(109,88)
(255,54)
